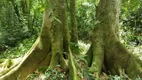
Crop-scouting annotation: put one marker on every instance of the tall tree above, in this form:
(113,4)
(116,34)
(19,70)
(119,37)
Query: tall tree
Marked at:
(106,49)
(49,47)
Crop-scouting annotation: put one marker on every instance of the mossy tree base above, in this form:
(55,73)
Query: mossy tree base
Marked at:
(48,48)
(108,50)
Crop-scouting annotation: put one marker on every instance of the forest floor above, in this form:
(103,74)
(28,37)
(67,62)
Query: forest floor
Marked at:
(8,60)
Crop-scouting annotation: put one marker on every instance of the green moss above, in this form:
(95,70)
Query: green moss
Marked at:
(72,69)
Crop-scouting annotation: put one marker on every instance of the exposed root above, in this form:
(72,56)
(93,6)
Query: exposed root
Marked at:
(118,59)
(72,69)
(8,64)
(29,63)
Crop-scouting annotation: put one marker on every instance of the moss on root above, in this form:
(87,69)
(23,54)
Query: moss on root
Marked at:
(72,69)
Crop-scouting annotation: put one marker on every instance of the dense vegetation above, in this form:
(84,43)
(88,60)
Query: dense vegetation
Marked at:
(21,23)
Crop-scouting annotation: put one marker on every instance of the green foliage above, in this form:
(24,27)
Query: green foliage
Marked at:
(54,75)
(17,25)
(9,27)
(48,74)
(85,18)
(16,31)
(19,50)
(75,48)
(131,18)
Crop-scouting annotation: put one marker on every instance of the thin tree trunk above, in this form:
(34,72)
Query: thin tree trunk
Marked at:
(74,33)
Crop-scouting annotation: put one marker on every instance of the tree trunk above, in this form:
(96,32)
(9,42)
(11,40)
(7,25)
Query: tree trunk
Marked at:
(106,47)
(34,56)
(74,34)
(49,47)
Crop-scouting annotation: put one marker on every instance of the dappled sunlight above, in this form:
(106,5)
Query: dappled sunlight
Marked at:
(136,51)
(83,46)
(6,64)
(132,47)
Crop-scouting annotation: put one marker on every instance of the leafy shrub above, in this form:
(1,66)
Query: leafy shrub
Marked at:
(85,18)
(45,73)
(131,22)
(19,50)
(14,28)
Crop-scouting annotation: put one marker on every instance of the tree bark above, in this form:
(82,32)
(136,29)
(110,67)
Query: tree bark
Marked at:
(107,49)
(117,58)
(74,33)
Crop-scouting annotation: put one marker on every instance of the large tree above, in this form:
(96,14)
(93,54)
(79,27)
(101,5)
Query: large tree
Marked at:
(106,50)
(49,47)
